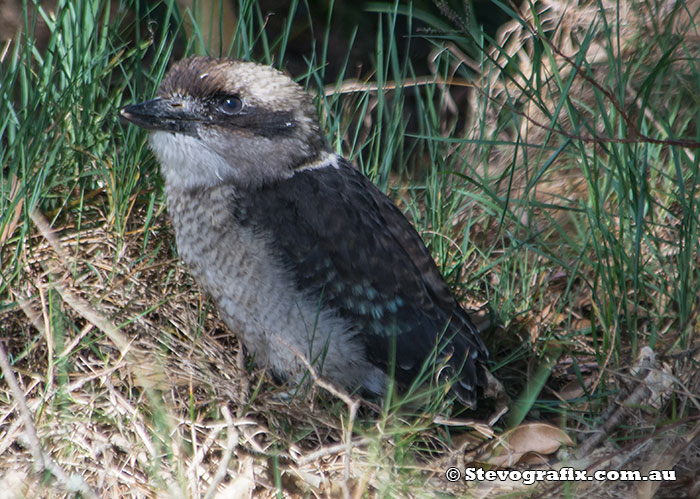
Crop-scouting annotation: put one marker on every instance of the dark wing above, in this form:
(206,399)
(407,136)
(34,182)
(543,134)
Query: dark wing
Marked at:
(346,242)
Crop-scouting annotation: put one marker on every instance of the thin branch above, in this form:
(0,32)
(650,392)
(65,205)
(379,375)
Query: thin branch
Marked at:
(638,136)
(77,303)
(42,460)
(354,85)
(231,444)
(328,450)
(352,403)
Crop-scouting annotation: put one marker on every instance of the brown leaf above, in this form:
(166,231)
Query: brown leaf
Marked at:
(510,447)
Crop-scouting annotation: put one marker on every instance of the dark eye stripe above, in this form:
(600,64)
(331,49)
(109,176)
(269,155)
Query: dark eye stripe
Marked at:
(258,121)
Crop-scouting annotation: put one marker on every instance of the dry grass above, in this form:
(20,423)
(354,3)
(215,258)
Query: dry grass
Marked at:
(180,369)
(178,406)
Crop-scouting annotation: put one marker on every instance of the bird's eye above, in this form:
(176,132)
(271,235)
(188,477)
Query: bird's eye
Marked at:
(230,105)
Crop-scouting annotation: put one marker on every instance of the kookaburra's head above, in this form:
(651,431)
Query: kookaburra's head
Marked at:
(223,120)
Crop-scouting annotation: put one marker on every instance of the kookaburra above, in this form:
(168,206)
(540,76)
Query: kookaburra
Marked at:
(301,253)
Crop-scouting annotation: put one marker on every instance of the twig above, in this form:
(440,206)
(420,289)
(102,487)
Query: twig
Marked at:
(636,397)
(231,444)
(33,439)
(80,305)
(352,404)
(43,225)
(91,315)
(42,460)
(328,450)
(353,85)
(666,461)
(599,139)
(638,136)
(645,373)
(585,462)
(318,380)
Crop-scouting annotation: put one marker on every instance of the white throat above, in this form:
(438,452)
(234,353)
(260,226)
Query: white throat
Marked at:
(186,162)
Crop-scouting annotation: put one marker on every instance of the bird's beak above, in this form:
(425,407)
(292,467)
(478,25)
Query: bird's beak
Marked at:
(167,114)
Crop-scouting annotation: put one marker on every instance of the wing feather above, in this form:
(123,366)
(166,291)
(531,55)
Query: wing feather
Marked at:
(345,241)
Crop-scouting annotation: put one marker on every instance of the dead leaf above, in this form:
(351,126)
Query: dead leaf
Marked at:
(509,448)
(573,389)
